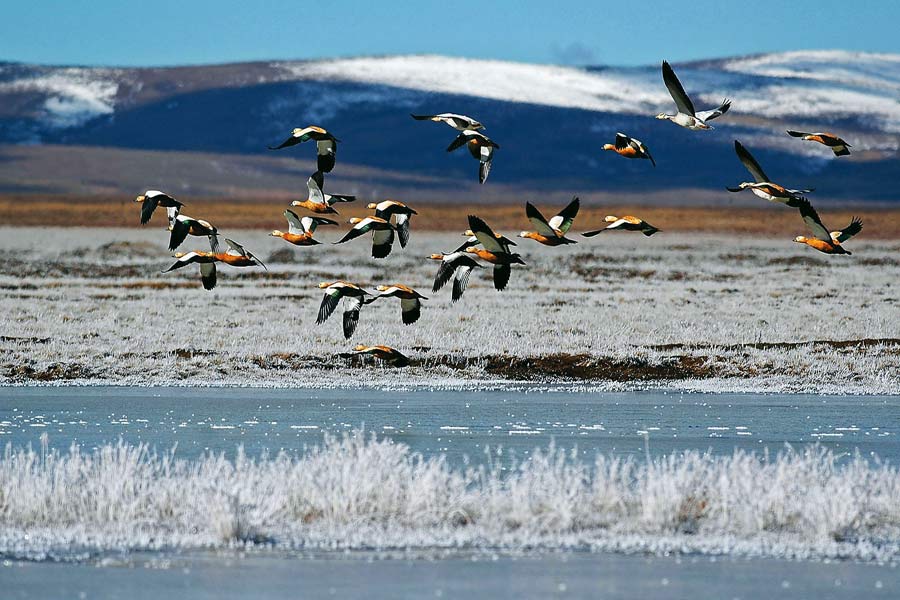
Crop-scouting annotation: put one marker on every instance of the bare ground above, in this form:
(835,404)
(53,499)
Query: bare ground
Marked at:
(676,310)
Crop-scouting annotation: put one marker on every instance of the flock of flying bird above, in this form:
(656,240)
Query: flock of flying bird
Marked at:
(482,243)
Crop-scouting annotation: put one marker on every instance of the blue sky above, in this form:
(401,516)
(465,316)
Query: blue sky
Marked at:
(624,32)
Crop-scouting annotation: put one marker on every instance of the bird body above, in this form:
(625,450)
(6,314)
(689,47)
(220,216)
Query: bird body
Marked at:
(686,116)
(326,144)
(458,266)
(458,122)
(552,232)
(150,199)
(182,226)
(300,230)
(317,200)
(630,147)
(837,145)
(626,223)
(480,146)
(410,300)
(236,256)
(494,251)
(353,297)
(828,242)
(382,234)
(389,355)
(401,214)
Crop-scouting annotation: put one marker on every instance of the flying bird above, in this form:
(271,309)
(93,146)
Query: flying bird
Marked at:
(480,146)
(401,213)
(823,240)
(552,232)
(382,234)
(458,266)
(151,199)
(236,256)
(410,300)
(626,223)
(629,147)
(458,122)
(389,355)
(762,186)
(353,297)
(182,226)
(494,251)
(318,201)
(686,115)
(300,230)
(837,145)
(326,145)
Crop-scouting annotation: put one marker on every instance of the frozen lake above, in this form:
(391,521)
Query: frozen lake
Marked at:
(528,493)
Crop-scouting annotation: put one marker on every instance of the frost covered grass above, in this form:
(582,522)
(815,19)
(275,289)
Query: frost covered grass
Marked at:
(694,312)
(357,492)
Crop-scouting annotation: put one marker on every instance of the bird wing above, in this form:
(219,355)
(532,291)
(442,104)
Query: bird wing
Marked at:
(445,272)
(484,169)
(352,304)
(403,229)
(847,232)
(329,303)
(296,225)
(682,101)
(291,141)
(460,282)
(538,221)
(184,261)
(796,133)
(563,221)
(485,235)
(311,223)
(361,228)
(459,142)
(147,207)
(208,275)
(237,248)
(382,242)
(812,220)
(709,115)
(410,310)
(315,185)
(622,141)
(180,231)
(750,163)
(501,276)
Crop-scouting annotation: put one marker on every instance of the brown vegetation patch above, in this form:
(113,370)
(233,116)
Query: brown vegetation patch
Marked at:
(53,372)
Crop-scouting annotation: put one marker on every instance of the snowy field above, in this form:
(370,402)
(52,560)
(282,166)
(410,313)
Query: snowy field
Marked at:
(619,311)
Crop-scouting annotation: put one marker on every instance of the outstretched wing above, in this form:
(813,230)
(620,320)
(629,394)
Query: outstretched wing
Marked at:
(147,208)
(329,303)
(501,276)
(622,141)
(485,235)
(538,221)
(410,310)
(682,101)
(291,141)
(315,184)
(750,163)
(295,225)
(796,133)
(180,231)
(484,168)
(382,242)
(563,221)
(183,261)
(459,142)
(812,220)
(352,304)
(460,282)
(847,232)
(709,115)
(208,275)
(311,223)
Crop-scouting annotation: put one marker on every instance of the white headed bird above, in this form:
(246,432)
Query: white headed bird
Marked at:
(457,122)
(686,115)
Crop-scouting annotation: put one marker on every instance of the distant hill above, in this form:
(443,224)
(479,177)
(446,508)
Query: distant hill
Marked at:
(61,128)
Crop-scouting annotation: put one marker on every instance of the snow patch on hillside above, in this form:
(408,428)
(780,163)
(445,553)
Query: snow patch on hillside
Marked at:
(74,95)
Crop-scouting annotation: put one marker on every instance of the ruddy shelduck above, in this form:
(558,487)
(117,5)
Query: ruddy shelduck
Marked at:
(552,232)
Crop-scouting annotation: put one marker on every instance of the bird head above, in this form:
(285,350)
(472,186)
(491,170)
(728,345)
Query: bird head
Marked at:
(323,285)
(436,257)
(800,239)
(140,198)
(354,220)
(276,233)
(610,219)
(663,116)
(372,205)
(609,147)
(381,288)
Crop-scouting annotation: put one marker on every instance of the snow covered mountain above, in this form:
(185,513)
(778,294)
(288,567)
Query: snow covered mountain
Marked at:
(550,121)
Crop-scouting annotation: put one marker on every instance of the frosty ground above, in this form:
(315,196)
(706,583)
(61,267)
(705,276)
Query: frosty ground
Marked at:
(701,312)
